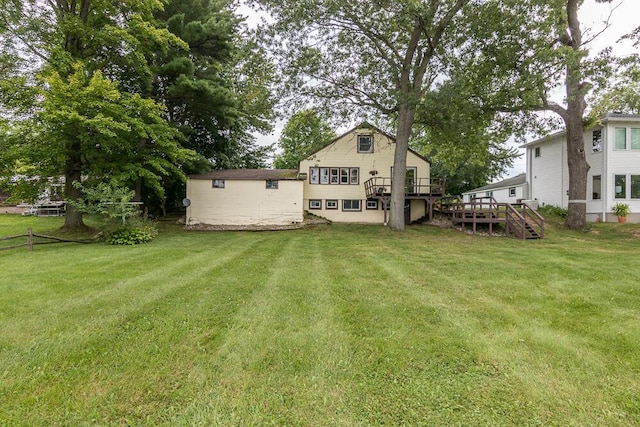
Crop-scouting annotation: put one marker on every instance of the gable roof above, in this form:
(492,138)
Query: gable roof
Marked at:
(609,117)
(509,182)
(249,174)
(367,125)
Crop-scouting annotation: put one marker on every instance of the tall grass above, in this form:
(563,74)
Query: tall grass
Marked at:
(333,325)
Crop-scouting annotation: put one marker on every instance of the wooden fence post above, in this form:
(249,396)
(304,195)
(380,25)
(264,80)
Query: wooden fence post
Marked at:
(30,239)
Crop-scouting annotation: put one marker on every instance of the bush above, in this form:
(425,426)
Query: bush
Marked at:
(550,210)
(132,235)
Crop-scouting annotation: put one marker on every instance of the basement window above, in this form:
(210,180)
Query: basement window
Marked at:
(331,204)
(351,205)
(315,204)
(372,204)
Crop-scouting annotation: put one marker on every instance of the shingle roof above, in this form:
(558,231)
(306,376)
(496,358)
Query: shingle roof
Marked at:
(509,182)
(250,174)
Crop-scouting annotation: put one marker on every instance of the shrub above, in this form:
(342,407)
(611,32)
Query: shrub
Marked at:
(132,235)
(550,210)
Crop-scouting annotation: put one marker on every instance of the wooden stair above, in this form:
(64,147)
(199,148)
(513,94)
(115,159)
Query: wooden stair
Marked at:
(518,219)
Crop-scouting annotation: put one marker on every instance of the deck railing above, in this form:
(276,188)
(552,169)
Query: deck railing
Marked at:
(381,186)
(524,222)
(519,219)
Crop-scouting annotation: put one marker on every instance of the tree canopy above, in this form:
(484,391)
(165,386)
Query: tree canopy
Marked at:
(129,92)
(304,133)
(364,58)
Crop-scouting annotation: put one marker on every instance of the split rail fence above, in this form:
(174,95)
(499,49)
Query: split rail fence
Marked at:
(34,239)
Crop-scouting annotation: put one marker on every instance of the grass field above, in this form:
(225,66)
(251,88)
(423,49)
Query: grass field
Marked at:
(332,325)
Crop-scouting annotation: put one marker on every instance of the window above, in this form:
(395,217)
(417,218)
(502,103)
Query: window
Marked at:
(372,204)
(512,191)
(537,152)
(635,139)
(351,205)
(596,189)
(620,183)
(217,183)
(621,139)
(314,176)
(489,193)
(272,184)
(635,186)
(365,144)
(597,141)
(344,175)
(354,176)
(333,176)
(315,204)
(331,204)
(324,175)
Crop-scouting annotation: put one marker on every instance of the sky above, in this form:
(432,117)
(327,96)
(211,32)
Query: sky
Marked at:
(623,19)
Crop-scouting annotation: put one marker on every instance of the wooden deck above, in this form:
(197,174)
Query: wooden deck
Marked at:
(516,218)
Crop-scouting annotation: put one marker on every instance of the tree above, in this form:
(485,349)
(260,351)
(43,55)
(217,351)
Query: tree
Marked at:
(374,57)
(215,88)
(521,55)
(304,133)
(87,117)
(465,144)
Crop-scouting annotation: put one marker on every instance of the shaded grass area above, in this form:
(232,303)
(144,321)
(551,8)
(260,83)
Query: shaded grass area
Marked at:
(333,325)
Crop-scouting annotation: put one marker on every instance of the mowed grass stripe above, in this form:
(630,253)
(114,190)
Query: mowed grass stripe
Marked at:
(280,359)
(129,320)
(339,325)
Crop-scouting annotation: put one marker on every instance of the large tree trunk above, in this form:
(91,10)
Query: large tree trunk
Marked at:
(406,117)
(73,217)
(576,105)
(578,169)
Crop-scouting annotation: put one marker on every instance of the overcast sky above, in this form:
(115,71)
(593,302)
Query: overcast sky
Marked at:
(623,18)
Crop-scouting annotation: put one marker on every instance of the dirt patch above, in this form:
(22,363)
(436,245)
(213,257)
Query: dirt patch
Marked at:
(259,227)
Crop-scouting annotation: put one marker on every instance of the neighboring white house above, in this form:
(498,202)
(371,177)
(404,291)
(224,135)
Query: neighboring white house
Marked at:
(510,190)
(612,149)
(245,197)
(348,180)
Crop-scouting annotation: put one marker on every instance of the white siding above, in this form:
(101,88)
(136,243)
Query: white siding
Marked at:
(343,153)
(620,162)
(548,174)
(244,202)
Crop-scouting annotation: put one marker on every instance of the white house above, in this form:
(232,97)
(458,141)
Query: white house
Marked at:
(239,197)
(348,180)
(612,149)
(510,190)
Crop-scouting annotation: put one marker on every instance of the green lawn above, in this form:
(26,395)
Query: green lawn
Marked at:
(332,325)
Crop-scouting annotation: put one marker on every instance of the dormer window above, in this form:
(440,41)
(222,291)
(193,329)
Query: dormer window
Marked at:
(365,143)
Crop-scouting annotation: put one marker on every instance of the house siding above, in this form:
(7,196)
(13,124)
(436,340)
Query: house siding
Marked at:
(343,153)
(244,202)
(621,162)
(548,175)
